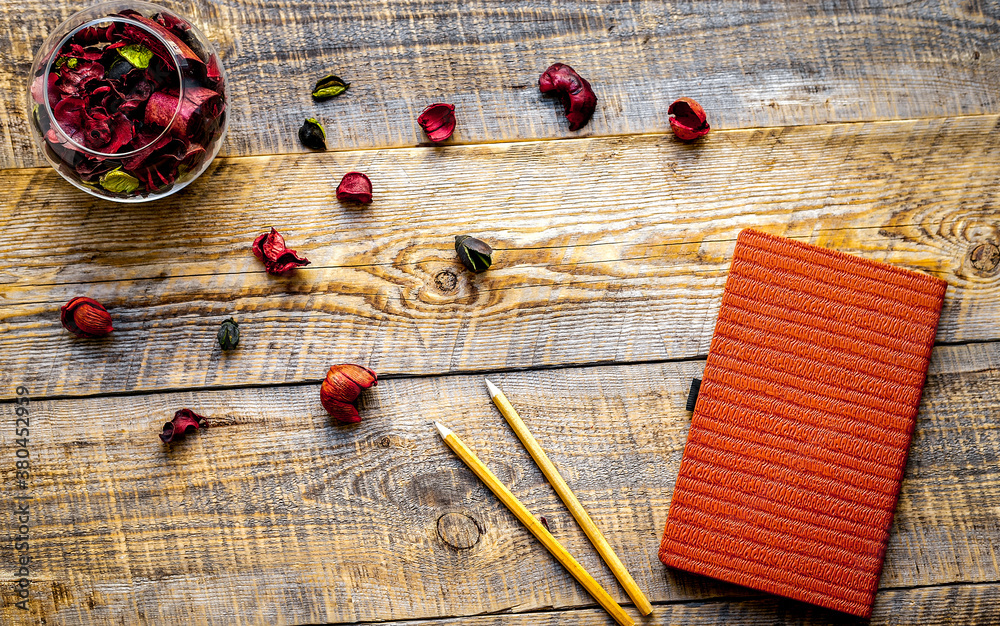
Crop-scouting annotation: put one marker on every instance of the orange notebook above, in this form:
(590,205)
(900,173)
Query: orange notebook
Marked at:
(802,424)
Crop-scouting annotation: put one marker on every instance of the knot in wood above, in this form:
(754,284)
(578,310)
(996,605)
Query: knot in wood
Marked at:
(458,530)
(985,257)
(446,281)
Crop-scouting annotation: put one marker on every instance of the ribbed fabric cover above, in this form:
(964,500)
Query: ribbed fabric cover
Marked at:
(800,433)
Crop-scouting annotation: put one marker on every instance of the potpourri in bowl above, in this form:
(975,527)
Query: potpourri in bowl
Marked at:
(127,100)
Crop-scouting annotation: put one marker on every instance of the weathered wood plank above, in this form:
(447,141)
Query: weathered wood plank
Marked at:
(767,64)
(275,515)
(611,250)
(958,604)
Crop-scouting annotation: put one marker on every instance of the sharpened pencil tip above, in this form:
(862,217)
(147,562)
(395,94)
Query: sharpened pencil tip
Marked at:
(494,390)
(443,430)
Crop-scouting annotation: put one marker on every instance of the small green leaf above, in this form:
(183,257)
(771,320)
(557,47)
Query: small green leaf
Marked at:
(71,62)
(137,54)
(328,87)
(117,181)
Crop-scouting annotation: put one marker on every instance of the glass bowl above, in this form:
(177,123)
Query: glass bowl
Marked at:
(127,100)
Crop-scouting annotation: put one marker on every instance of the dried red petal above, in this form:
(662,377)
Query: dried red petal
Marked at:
(85,317)
(72,81)
(341,388)
(140,36)
(688,119)
(578,99)
(77,51)
(438,121)
(37,86)
(185,421)
(270,249)
(121,133)
(268,246)
(199,103)
(175,24)
(69,114)
(286,262)
(355,187)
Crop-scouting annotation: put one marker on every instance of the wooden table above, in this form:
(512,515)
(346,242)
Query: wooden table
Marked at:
(868,127)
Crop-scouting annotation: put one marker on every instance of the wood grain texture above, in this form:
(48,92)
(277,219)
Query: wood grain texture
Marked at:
(273,515)
(959,605)
(765,64)
(609,250)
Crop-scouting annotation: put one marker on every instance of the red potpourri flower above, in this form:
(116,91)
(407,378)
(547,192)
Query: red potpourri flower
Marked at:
(688,119)
(185,422)
(85,317)
(340,391)
(116,89)
(438,121)
(355,187)
(270,249)
(573,90)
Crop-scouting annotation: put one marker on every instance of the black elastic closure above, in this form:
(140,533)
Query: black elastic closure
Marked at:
(693,394)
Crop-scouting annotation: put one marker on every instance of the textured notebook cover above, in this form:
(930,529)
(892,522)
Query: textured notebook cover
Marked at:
(799,437)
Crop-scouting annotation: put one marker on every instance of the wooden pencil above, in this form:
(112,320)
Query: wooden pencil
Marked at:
(534,526)
(570,499)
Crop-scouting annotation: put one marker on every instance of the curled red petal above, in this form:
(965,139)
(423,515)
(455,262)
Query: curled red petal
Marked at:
(270,249)
(438,121)
(688,119)
(257,243)
(38,84)
(72,81)
(360,375)
(77,51)
(355,187)
(184,422)
(69,115)
(198,105)
(269,246)
(179,45)
(160,108)
(341,388)
(286,262)
(578,98)
(96,128)
(273,245)
(122,132)
(174,23)
(343,412)
(85,317)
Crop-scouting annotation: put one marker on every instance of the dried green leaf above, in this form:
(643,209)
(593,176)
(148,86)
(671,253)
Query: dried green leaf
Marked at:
(137,54)
(475,254)
(229,334)
(312,135)
(328,87)
(118,181)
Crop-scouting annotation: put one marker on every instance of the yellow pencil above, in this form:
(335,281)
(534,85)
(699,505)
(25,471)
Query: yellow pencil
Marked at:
(521,513)
(569,498)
